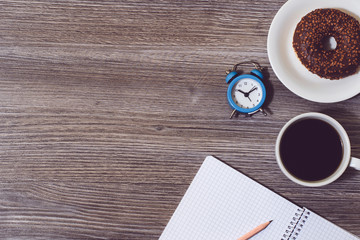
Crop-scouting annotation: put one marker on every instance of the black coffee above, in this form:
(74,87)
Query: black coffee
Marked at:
(311,149)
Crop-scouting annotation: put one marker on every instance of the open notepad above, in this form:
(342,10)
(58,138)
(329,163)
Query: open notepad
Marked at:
(223,204)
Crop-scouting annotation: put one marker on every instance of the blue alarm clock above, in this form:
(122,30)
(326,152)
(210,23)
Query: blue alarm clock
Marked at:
(246,92)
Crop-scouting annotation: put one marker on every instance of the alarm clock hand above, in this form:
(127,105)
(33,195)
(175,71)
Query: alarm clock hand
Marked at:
(241,91)
(253,89)
(248,93)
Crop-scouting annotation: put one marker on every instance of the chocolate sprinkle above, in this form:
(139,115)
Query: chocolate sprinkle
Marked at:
(308,43)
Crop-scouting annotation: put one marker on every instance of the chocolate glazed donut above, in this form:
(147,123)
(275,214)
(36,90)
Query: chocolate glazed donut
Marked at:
(314,31)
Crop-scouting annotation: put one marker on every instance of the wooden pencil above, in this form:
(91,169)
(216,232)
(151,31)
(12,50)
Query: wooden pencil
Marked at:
(255,231)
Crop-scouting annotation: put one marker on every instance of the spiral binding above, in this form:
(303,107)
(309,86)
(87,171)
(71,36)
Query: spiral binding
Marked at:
(296,224)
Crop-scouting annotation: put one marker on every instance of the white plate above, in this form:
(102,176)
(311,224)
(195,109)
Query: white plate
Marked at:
(288,67)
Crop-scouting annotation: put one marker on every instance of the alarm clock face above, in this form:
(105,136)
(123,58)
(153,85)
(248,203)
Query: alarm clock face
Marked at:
(248,93)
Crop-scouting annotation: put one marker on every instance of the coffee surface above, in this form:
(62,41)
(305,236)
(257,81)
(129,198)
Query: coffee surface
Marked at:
(311,149)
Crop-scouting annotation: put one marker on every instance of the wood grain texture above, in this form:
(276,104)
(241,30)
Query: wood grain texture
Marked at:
(108,109)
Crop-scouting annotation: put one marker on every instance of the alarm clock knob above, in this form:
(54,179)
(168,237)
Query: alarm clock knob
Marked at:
(257,73)
(230,76)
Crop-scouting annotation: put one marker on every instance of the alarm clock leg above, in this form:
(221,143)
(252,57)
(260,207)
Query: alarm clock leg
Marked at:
(263,111)
(232,113)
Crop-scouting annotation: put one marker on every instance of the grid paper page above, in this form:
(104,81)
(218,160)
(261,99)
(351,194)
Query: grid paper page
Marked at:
(317,227)
(222,203)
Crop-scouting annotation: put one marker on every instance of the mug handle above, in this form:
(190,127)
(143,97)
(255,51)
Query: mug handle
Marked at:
(355,163)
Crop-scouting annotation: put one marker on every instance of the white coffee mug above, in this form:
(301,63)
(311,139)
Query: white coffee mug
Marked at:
(346,161)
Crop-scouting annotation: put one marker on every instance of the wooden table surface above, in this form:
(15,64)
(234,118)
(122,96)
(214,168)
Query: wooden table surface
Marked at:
(108,109)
